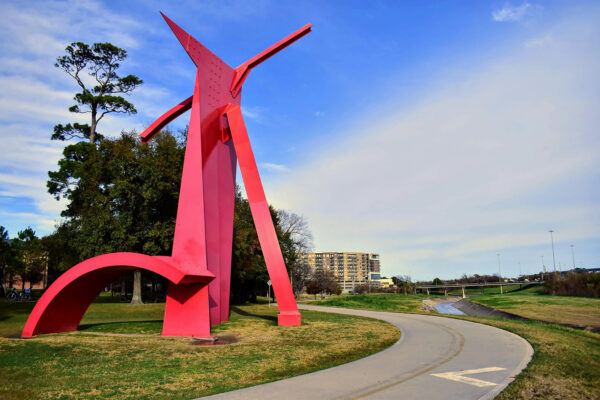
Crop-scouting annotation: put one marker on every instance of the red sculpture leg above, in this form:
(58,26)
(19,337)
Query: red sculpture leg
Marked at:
(219,195)
(227,172)
(189,243)
(63,304)
(186,311)
(210,181)
(288,310)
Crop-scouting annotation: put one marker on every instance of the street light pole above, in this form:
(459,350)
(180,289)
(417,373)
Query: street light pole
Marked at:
(573,254)
(543,268)
(499,272)
(553,257)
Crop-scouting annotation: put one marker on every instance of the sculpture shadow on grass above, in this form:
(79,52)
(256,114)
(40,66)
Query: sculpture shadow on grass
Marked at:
(239,311)
(146,324)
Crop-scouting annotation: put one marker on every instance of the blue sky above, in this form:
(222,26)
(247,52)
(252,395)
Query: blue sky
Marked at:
(437,134)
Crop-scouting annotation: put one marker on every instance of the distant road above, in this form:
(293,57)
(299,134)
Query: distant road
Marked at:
(435,357)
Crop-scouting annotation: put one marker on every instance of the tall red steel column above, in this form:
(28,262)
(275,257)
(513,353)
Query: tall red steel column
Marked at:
(209,150)
(199,269)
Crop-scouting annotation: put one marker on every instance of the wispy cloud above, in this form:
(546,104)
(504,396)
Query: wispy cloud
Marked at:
(540,41)
(480,166)
(35,96)
(510,13)
(275,167)
(255,113)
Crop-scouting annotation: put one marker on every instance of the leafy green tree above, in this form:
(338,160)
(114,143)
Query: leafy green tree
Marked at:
(403,284)
(5,256)
(61,255)
(123,197)
(28,258)
(104,95)
(122,194)
(249,274)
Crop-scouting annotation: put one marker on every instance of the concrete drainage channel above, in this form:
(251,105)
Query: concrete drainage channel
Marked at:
(443,306)
(458,306)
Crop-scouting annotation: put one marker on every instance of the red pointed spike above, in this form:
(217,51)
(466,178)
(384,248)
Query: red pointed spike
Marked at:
(196,50)
(182,35)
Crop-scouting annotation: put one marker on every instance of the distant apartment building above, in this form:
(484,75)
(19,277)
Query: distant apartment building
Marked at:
(350,269)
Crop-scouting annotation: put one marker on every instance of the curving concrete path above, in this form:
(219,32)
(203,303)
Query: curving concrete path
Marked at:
(435,357)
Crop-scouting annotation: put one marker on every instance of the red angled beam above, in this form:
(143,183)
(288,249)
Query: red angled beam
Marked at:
(165,119)
(267,236)
(242,71)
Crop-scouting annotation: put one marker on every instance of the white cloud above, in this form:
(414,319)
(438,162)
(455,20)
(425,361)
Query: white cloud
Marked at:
(274,167)
(478,166)
(255,113)
(511,13)
(35,96)
(540,41)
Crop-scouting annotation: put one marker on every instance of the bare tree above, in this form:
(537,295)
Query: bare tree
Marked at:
(301,274)
(296,228)
(295,231)
(322,281)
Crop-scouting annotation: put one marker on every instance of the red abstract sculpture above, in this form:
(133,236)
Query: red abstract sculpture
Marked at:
(199,269)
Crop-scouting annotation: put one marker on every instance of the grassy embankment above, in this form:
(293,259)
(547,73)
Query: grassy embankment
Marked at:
(532,304)
(566,363)
(89,365)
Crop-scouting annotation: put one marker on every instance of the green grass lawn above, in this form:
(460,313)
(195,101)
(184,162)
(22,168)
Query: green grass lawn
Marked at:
(91,364)
(377,301)
(566,363)
(488,290)
(531,303)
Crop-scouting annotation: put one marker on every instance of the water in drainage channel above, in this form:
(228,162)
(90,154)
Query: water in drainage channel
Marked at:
(448,308)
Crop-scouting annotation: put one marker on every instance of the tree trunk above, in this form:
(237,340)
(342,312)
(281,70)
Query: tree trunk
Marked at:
(136,298)
(123,290)
(93,127)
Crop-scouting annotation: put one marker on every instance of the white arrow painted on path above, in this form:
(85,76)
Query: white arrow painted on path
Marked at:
(459,376)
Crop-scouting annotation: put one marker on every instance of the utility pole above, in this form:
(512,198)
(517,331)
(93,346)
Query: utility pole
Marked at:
(553,257)
(573,254)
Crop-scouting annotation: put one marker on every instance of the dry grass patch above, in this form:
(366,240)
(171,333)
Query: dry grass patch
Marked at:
(87,366)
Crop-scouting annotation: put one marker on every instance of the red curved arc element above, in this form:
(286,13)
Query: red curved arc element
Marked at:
(242,71)
(62,306)
(166,118)
(267,236)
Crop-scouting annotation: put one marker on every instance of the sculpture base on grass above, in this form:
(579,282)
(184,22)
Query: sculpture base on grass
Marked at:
(291,319)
